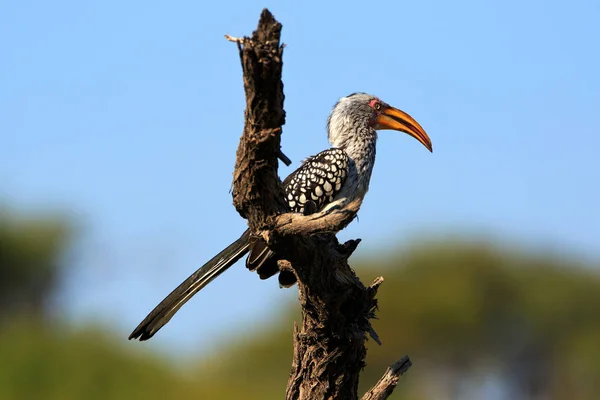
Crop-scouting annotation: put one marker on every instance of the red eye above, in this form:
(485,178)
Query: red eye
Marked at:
(376,104)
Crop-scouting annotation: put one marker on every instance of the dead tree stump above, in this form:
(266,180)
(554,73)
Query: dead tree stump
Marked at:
(329,344)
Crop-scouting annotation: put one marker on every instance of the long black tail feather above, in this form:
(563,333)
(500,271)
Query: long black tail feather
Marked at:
(163,312)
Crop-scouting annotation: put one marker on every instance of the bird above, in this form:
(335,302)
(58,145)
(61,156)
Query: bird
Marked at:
(333,177)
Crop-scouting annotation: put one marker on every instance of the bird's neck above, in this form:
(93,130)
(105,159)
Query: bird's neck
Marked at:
(359,145)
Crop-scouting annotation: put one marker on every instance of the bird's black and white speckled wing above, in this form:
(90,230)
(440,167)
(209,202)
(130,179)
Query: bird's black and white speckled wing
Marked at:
(318,180)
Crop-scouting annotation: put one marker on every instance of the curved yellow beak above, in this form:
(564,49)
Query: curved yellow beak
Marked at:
(398,120)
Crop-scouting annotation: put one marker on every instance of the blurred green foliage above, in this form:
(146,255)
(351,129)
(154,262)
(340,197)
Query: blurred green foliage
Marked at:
(477,320)
(42,362)
(30,255)
(474,318)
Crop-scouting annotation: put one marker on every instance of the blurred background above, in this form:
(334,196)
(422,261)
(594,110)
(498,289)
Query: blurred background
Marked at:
(119,123)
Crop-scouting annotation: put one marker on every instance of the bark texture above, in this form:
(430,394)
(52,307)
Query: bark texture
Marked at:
(329,343)
(386,385)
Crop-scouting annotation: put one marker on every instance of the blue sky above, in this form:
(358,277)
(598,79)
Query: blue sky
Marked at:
(126,116)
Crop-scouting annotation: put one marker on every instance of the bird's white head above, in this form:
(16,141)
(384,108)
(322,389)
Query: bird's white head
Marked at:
(358,116)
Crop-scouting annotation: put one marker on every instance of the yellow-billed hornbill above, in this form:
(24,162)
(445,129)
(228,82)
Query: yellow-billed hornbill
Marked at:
(332,177)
